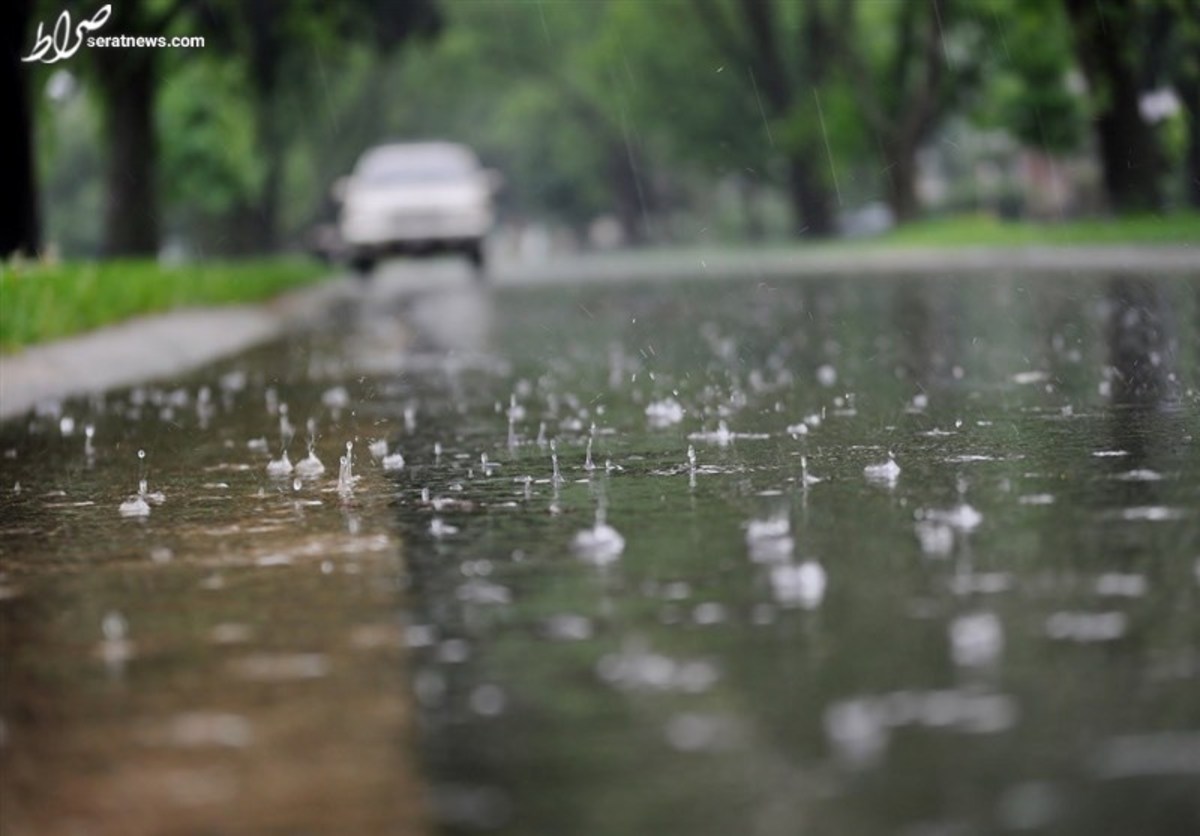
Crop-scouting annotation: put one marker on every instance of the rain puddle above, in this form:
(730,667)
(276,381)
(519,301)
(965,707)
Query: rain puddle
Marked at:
(880,556)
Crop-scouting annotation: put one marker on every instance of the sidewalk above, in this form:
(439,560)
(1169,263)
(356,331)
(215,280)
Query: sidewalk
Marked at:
(150,347)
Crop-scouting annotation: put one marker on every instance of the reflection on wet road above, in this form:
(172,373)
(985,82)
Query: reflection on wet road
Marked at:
(914,555)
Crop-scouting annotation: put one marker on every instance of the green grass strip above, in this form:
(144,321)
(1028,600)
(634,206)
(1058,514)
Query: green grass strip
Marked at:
(988,231)
(45,302)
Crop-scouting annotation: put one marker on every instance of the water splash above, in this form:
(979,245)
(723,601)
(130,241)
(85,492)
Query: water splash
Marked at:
(280,467)
(393,461)
(807,478)
(976,639)
(799,585)
(441,529)
(310,467)
(883,474)
(346,470)
(286,430)
(134,506)
(115,647)
(770,540)
(601,544)
(722,436)
(138,505)
(556,478)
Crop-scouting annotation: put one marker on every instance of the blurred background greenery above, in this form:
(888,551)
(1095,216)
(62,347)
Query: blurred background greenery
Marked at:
(615,122)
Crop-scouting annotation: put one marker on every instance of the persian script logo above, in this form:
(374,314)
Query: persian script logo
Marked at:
(65,40)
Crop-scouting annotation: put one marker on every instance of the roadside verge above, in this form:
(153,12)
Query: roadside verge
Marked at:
(151,346)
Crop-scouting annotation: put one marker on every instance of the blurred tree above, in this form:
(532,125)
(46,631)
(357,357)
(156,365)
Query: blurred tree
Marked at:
(272,41)
(788,51)
(690,99)
(127,81)
(1029,90)
(1178,33)
(1111,44)
(276,43)
(560,117)
(912,63)
(20,230)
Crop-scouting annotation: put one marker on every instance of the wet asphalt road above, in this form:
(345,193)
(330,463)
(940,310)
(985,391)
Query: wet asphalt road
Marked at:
(551,617)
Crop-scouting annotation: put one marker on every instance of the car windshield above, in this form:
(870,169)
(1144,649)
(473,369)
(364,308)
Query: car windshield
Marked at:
(403,166)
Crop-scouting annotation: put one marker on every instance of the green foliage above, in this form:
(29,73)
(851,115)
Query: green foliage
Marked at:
(1029,88)
(40,302)
(69,162)
(571,99)
(209,154)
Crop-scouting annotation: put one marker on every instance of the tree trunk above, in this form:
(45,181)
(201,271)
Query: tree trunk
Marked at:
(753,226)
(902,183)
(1129,153)
(128,84)
(20,230)
(270,149)
(628,192)
(810,199)
(1190,94)
(266,37)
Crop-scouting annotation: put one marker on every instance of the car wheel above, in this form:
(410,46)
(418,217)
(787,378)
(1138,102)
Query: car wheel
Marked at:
(362,265)
(474,253)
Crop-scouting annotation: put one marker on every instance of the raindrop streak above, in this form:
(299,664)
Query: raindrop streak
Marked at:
(828,151)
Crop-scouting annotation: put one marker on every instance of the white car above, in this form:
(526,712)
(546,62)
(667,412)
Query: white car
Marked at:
(416,199)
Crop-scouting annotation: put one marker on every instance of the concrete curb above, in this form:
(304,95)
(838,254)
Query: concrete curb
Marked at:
(151,347)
